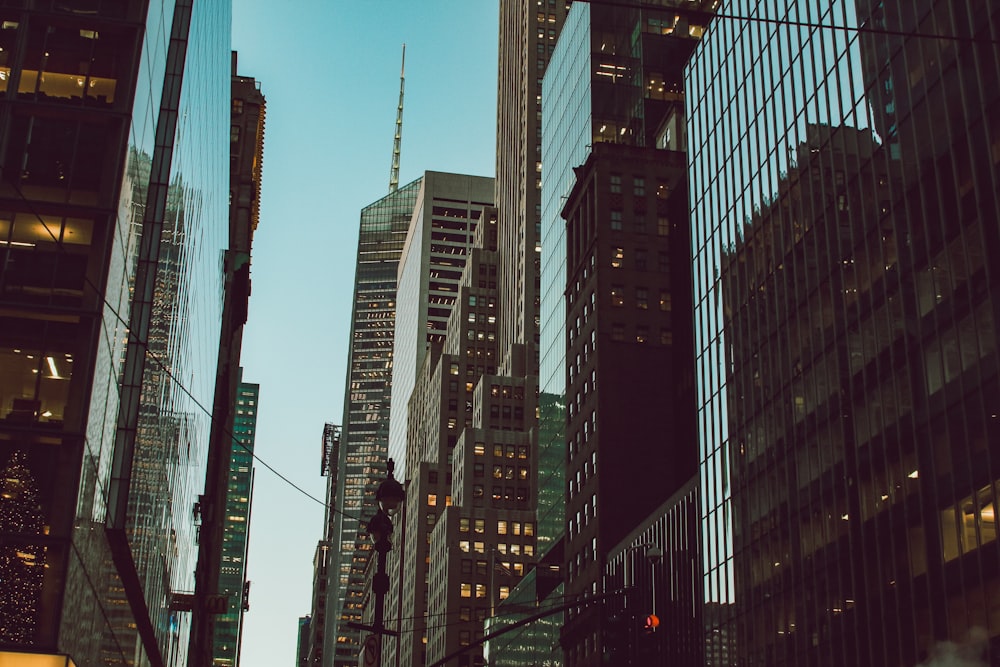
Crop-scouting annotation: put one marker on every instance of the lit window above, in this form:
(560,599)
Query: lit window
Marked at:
(617,295)
(641,298)
(466,589)
(666,301)
(432,500)
(501,527)
(617,257)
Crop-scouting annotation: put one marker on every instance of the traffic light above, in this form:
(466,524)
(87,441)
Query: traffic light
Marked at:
(652,622)
(615,640)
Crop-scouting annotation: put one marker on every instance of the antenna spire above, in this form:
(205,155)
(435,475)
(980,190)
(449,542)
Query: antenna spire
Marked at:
(394,172)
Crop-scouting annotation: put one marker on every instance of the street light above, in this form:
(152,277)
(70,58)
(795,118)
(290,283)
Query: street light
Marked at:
(390,495)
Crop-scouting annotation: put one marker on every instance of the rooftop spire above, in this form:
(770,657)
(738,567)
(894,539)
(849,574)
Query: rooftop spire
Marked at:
(394,172)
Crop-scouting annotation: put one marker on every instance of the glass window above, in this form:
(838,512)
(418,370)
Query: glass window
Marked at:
(616,220)
(641,298)
(617,295)
(617,257)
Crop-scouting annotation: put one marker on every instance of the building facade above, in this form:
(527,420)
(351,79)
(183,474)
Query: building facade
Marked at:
(246,152)
(655,568)
(843,210)
(233,583)
(113,209)
(468,529)
(364,439)
(616,282)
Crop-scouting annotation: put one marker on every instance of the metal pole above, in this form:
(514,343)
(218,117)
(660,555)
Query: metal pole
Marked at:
(380,586)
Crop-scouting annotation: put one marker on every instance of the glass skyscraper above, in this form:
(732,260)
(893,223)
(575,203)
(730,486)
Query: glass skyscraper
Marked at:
(845,160)
(365,432)
(113,217)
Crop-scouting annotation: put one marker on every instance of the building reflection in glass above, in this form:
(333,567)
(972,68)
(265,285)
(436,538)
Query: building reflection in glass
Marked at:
(843,205)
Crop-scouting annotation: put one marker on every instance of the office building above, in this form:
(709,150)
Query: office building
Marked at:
(468,530)
(113,202)
(447,210)
(233,584)
(527,39)
(616,281)
(843,210)
(364,440)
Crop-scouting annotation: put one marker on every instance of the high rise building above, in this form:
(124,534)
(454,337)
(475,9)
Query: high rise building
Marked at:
(364,439)
(468,526)
(615,275)
(528,32)
(233,584)
(215,543)
(448,211)
(113,202)
(527,39)
(845,164)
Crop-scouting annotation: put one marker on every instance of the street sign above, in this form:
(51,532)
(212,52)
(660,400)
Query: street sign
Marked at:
(371,651)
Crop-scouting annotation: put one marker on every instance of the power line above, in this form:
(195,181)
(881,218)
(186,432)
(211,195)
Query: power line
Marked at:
(60,245)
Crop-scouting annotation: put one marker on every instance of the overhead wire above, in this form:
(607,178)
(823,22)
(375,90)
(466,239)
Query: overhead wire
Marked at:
(60,245)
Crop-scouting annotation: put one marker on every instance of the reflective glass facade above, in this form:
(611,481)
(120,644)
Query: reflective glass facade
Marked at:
(365,433)
(80,215)
(844,169)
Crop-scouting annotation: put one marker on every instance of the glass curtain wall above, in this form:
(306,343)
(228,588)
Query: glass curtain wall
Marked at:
(844,167)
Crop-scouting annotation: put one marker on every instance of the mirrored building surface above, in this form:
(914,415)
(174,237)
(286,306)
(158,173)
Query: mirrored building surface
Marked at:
(113,220)
(844,168)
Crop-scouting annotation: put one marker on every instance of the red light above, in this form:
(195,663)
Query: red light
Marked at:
(652,622)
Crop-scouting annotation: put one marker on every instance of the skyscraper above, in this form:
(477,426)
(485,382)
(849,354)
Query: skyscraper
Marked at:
(365,431)
(114,202)
(236,529)
(616,282)
(844,208)
(447,214)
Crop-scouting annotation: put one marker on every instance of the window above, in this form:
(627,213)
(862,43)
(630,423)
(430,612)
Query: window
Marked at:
(616,183)
(665,301)
(501,527)
(466,589)
(617,257)
(617,295)
(616,220)
(617,331)
(464,545)
(497,450)
(432,500)
(639,186)
(480,526)
(641,298)
(666,337)
(479,449)
(237,107)
(641,334)
(640,259)
(663,262)
(463,525)
(663,227)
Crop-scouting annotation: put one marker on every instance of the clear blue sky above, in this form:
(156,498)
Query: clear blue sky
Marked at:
(330,72)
